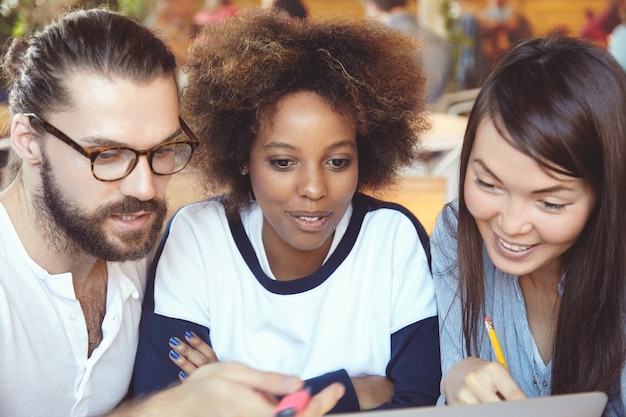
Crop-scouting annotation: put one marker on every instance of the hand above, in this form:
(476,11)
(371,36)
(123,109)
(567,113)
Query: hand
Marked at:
(244,391)
(372,391)
(324,401)
(191,355)
(475,380)
(230,389)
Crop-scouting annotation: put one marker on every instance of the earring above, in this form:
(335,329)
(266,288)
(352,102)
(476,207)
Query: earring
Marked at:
(243,170)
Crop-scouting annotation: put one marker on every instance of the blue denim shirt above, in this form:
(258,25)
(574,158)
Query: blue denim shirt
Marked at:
(504,303)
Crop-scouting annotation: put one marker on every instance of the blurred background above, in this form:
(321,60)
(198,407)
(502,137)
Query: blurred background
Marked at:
(478,30)
(461,39)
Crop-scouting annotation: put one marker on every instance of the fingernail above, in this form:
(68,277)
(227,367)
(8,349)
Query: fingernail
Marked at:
(174,354)
(174,341)
(189,335)
(182,374)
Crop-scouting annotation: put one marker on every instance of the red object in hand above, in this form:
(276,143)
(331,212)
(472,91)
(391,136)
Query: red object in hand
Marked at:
(291,405)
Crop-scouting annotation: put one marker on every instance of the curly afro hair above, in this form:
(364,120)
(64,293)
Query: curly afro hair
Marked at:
(240,68)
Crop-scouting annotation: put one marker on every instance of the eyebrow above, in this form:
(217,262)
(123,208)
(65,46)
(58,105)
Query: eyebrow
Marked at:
(282,145)
(104,142)
(486,168)
(554,189)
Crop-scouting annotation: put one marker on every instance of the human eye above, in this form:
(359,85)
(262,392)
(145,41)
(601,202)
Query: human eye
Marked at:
(165,151)
(552,206)
(282,163)
(484,185)
(111,156)
(339,163)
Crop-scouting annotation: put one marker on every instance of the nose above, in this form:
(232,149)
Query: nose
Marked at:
(514,218)
(140,182)
(312,184)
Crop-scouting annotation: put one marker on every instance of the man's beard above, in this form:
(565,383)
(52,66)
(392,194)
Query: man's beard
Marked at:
(83,232)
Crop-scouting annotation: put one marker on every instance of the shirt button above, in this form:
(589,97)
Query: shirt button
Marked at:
(73,315)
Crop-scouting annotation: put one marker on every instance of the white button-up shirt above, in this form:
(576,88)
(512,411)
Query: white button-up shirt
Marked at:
(44,368)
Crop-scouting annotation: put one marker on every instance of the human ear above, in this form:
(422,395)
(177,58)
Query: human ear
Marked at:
(24,140)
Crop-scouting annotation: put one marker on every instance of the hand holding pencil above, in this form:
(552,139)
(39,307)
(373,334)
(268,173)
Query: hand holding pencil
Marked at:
(474,380)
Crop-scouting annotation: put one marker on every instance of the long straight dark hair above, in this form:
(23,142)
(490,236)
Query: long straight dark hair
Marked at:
(562,101)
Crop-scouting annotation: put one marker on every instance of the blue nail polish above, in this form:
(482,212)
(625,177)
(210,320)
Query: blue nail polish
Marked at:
(174,341)
(189,335)
(182,374)
(174,354)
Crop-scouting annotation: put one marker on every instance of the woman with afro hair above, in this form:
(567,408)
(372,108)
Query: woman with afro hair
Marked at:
(294,268)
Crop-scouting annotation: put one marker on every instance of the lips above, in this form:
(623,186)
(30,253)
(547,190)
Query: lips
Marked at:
(132,221)
(513,251)
(513,247)
(127,217)
(310,222)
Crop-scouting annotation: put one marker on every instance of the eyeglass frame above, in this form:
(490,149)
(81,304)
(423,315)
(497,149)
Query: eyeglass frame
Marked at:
(92,154)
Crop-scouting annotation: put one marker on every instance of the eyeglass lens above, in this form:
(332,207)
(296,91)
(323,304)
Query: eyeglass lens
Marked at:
(167,159)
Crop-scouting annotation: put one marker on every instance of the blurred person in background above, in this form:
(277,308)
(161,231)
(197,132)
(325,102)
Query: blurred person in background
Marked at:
(599,26)
(173,20)
(294,7)
(436,50)
(501,26)
(214,11)
(616,42)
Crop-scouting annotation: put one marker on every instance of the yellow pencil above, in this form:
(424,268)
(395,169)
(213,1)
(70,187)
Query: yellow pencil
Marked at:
(491,331)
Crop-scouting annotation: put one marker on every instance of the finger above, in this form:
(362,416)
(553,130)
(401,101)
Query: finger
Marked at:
(508,390)
(186,366)
(192,355)
(486,383)
(217,385)
(324,401)
(465,396)
(271,382)
(503,384)
(200,345)
(512,394)
(476,387)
